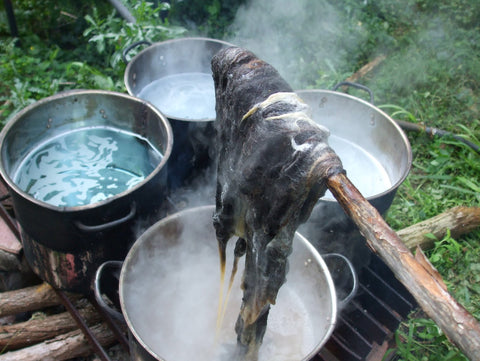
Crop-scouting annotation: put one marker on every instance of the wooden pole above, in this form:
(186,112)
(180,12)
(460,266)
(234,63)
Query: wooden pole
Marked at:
(417,275)
(63,347)
(459,220)
(27,299)
(367,68)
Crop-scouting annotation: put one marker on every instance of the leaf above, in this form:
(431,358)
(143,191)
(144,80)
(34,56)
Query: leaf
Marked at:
(103,82)
(470,184)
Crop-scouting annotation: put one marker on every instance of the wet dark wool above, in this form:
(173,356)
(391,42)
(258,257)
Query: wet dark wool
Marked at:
(273,161)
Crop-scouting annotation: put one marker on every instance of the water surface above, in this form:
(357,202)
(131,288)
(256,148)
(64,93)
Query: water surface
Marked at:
(86,166)
(184,95)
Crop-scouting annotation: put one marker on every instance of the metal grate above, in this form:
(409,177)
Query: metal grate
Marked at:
(366,326)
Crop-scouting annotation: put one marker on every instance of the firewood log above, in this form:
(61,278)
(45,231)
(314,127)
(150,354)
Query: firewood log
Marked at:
(42,328)
(27,299)
(459,220)
(64,347)
(367,68)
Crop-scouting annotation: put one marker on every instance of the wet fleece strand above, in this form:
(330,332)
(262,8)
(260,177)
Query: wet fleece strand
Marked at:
(273,161)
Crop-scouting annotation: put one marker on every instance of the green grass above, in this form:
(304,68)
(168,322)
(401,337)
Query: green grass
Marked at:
(431,76)
(420,338)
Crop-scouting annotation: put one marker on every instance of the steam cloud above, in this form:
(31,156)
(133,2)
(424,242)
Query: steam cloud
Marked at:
(296,36)
(317,43)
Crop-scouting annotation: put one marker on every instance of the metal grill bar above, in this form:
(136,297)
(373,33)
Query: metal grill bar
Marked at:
(385,292)
(119,334)
(97,347)
(366,323)
(371,318)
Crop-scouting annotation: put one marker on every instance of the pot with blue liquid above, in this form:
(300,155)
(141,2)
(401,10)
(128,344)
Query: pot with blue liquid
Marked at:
(82,168)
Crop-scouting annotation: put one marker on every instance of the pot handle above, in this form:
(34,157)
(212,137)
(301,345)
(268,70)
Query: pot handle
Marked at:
(132,46)
(102,227)
(355,85)
(343,302)
(112,293)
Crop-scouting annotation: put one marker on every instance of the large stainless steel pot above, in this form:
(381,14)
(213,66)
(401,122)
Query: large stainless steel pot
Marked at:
(193,149)
(169,287)
(375,153)
(66,244)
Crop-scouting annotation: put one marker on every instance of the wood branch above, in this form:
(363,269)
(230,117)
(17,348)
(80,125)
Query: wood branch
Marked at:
(367,68)
(430,292)
(67,346)
(36,330)
(28,299)
(459,220)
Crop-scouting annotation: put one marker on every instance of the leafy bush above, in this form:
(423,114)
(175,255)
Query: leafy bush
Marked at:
(111,35)
(209,18)
(44,62)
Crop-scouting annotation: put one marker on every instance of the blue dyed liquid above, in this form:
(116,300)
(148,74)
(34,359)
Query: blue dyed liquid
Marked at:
(86,166)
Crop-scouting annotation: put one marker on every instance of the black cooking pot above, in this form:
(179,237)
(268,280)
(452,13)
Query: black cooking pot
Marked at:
(178,59)
(65,244)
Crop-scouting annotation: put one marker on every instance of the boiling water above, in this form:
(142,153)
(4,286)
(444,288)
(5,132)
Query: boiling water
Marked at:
(184,95)
(363,169)
(171,297)
(86,166)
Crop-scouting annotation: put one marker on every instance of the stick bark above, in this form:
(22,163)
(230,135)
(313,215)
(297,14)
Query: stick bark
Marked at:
(36,330)
(27,299)
(64,347)
(429,291)
(459,220)
(367,68)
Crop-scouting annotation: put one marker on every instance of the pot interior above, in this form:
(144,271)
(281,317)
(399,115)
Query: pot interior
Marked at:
(175,76)
(169,293)
(82,147)
(374,150)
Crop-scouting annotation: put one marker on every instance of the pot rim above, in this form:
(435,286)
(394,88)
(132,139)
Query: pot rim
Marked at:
(151,48)
(80,92)
(152,231)
(400,131)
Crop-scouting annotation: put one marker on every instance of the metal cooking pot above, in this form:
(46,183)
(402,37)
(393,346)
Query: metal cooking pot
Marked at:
(169,288)
(66,244)
(375,153)
(193,149)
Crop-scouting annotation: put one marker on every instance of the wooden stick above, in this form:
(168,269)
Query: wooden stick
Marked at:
(367,68)
(36,330)
(27,299)
(459,220)
(64,347)
(429,291)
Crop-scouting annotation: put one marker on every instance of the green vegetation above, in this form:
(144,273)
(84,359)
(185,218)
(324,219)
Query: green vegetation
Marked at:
(68,46)
(430,75)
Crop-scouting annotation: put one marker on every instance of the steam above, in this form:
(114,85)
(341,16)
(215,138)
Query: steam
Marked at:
(318,43)
(200,192)
(170,292)
(296,36)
